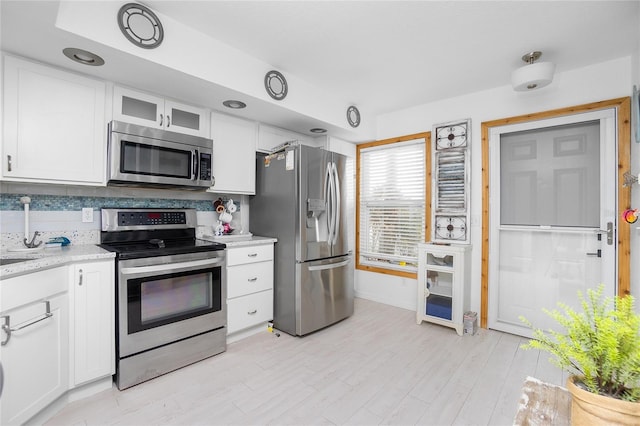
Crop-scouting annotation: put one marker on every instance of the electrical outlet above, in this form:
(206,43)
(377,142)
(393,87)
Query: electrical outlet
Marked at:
(87,214)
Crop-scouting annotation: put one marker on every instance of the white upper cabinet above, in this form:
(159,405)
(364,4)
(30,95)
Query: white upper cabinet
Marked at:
(333,144)
(54,125)
(270,137)
(149,110)
(234,154)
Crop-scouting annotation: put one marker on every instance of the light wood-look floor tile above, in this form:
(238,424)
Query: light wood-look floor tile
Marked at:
(377,367)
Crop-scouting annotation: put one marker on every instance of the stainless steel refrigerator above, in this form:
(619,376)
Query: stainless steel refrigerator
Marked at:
(300,200)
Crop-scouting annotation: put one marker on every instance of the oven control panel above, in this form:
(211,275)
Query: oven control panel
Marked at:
(137,219)
(141,218)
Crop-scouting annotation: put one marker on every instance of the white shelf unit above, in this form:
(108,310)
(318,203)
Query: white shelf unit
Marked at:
(443,284)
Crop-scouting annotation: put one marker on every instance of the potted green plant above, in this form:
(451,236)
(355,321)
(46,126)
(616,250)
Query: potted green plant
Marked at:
(600,348)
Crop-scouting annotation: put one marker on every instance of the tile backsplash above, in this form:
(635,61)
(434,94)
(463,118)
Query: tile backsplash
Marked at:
(45,202)
(55,215)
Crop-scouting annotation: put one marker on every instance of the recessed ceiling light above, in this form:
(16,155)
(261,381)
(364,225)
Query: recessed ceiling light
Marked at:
(83,56)
(318,130)
(234,104)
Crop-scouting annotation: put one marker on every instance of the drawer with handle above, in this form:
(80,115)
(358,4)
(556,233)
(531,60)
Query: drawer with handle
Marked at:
(249,278)
(250,254)
(247,311)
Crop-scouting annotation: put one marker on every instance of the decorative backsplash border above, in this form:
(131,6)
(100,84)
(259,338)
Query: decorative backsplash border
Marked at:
(69,203)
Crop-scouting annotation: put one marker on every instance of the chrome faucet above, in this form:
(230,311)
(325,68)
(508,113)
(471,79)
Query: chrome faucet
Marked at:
(32,243)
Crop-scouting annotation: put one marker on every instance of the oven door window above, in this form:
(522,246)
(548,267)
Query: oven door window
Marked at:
(163,299)
(143,159)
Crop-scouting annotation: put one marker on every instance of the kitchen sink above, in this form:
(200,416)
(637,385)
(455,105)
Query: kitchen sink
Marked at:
(4,262)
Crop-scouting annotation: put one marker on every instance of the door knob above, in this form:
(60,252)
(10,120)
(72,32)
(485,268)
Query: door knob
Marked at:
(597,253)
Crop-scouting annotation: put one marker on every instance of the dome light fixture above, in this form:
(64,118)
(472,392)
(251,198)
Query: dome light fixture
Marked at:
(318,130)
(534,75)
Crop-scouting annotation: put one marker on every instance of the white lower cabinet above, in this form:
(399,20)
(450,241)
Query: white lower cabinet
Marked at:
(35,352)
(57,334)
(249,310)
(92,322)
(249,287)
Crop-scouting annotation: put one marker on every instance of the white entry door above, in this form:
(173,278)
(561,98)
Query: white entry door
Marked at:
(553,216)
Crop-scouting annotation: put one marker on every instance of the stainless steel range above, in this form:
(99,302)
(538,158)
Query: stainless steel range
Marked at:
(170,292)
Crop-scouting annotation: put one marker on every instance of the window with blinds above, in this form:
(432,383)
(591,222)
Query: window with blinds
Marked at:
(391,204)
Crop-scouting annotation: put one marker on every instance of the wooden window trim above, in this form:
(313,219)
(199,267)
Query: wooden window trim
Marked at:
(427,137)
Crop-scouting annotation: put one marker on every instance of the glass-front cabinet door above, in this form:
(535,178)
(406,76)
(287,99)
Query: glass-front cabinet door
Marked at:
(144,109)
(138,108)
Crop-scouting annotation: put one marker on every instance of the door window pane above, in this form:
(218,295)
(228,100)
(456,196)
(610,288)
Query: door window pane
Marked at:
(551,176)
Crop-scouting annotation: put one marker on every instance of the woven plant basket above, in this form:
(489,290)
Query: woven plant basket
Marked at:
(591,409)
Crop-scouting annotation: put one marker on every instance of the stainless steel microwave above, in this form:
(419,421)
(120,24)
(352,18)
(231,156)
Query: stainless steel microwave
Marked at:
(144,156)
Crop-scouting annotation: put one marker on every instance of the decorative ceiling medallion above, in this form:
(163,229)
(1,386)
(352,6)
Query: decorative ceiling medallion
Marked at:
(140,25)
(353,116)
(276,85)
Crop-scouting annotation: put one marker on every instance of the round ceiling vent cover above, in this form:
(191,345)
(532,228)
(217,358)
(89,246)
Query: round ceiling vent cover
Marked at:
(276,85)
(353,116)
(140,25)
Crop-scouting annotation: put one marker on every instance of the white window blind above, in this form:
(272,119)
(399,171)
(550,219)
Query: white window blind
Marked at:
(392,204)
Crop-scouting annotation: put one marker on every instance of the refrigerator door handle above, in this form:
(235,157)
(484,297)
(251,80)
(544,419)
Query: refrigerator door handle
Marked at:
(329,266)
(336,204)
(329,201)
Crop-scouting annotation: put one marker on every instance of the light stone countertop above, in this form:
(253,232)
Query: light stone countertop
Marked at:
(244,242)
(50,258)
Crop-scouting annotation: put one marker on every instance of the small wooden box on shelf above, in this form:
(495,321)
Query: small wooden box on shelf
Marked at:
(443,284)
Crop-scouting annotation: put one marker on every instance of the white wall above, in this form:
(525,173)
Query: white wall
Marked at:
(608,80)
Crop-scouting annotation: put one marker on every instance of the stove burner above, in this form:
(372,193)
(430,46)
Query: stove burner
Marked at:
(136,233)
(158,242)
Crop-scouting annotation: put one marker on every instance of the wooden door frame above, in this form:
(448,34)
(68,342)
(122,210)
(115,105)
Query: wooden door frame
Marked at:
(623,117)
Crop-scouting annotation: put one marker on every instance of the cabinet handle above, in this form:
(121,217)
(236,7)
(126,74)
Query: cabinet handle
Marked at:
(161,119)
(252,280)
(7,322)
(168,121)
(252,254)
(252,312)
(8,163)
(213,181)
(80,277)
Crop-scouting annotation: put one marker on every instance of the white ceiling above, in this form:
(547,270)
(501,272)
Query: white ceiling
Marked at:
(382,55)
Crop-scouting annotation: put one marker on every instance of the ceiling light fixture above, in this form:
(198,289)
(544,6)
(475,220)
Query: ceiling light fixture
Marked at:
(234,104)
(318,130)
(83,56)
(534,75)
